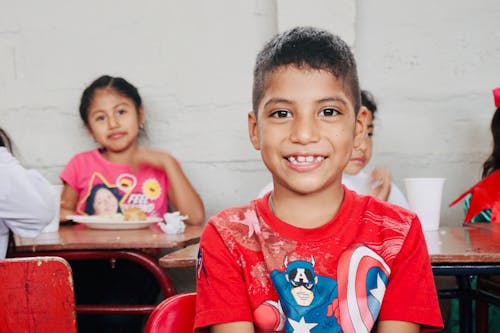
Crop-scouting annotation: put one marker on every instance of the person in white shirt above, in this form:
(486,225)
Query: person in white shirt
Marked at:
(378,182)
(28,202)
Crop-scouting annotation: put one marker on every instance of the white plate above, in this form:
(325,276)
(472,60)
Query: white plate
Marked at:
(98,222)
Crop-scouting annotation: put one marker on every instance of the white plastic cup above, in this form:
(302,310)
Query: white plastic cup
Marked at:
(424,197)
(53,226)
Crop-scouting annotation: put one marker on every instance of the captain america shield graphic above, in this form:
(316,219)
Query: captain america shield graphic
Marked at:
(362,278)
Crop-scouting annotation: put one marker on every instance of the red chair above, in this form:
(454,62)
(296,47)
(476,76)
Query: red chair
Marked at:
(36,295)
(174,315)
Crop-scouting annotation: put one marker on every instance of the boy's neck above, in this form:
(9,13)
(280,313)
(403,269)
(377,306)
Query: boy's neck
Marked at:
(307,211)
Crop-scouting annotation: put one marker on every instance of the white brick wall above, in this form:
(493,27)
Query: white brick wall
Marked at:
(432,66)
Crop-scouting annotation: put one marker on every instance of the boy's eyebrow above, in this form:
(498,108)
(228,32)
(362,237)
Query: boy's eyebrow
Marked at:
(322,100)
(276,101)
(333,99)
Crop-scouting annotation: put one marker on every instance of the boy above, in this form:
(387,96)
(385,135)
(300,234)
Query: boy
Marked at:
(312,256)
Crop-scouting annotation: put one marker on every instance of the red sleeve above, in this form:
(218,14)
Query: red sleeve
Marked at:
(411,293)
(222,296)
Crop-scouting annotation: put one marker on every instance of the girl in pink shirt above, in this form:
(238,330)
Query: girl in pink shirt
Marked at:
(112,111)
(117,176)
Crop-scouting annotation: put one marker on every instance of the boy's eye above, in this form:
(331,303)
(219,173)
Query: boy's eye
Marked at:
(122,111)
(100,118)
(329,112)
(281,114)
(370,135)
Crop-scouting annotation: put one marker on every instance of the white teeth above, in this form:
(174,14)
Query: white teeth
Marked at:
(305,159)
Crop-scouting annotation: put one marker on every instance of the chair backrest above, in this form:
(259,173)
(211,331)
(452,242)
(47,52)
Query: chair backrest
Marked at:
(174,315)
(36,295)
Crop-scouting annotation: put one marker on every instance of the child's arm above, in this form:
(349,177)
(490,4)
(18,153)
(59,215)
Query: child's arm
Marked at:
(390,326)
(28,199)
(69,199)
(182,194)
(240,327)
(381,183)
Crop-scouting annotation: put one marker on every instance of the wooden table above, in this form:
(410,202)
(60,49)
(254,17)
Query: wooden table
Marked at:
(465,252)
(471,243)
(79,237)
(185,257)
(142,246)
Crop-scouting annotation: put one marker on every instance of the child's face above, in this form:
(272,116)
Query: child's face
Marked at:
(113,120)
(305,129)
(362,154)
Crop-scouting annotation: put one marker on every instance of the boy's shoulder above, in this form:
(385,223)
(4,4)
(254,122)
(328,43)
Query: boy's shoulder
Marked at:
(368,206)
(244,214)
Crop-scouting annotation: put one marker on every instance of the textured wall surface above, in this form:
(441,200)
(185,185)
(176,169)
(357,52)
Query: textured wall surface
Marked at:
(191,60)
(431,65)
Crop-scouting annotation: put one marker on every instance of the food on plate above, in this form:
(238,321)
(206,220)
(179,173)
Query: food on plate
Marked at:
(115,217)
(128,214)
(134,214)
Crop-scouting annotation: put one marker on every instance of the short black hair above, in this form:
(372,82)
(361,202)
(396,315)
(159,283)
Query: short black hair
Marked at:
(368,101)
(307,47)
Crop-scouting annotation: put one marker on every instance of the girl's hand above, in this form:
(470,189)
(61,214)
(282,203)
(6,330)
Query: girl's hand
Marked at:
(144,156)
(181,194)
(69,199)
(380,181)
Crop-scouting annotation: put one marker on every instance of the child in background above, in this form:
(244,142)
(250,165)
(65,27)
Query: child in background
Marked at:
(489,180)
(378,183)
(312,256)
(27,199)
(112,111)
(492,163)
(133,176)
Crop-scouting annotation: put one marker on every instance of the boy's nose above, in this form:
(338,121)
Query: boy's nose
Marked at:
(364,143)
(305,131)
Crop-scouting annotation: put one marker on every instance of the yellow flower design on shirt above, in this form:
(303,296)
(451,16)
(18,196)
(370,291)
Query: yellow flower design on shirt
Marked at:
(151,188)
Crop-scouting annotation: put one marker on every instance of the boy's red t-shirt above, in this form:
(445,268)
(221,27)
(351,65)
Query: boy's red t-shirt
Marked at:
(369,263)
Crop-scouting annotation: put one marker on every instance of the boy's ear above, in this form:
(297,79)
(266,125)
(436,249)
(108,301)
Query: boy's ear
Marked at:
(361,126)
(253,130)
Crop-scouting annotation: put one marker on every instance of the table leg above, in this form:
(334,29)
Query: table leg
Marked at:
(465,303)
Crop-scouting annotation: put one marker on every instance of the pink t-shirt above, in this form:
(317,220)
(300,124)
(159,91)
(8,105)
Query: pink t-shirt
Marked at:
(106,188)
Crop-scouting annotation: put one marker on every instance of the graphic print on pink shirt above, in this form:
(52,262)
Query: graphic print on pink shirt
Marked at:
(105,197)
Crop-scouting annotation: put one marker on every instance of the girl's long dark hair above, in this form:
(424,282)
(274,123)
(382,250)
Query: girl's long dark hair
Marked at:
(493,161)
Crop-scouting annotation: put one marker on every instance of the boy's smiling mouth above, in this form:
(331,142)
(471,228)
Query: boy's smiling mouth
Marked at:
(304,159)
